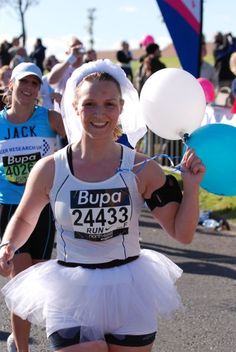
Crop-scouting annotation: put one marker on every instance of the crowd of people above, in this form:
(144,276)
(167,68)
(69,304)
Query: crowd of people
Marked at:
(66,177)
(219,73)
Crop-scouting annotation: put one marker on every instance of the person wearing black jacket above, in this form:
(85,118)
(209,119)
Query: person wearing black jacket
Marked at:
(124,57)
(224,46)
(38,54)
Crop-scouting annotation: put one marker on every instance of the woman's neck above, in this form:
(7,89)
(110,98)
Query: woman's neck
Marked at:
(96,163)
(19,114)
(97,150)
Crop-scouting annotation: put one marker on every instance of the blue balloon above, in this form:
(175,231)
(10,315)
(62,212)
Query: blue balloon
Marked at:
(215,144)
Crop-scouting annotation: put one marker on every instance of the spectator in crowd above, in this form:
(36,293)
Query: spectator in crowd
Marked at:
(146,40)
(149,66)
(38,54)
(47,94)
(8,50)
(124,57)
(151,63)
(49,63)
(20,56)
(207,70)
(224,46)
(208,88)
(5,57)
(232,64)
(5,75)
(15,44)
(90,55)
(62,71)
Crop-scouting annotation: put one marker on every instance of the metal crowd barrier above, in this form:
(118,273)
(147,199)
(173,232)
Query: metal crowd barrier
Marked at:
(152,145)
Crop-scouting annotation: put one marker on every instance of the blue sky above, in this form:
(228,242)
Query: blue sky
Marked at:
(56,20)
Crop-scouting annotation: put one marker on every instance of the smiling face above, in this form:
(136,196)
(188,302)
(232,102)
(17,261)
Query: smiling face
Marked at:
(25,91)
(98,104)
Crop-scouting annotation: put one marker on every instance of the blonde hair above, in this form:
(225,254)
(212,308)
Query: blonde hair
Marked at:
(6,96)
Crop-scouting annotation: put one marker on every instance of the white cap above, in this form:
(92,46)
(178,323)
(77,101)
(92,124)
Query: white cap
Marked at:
(26,69)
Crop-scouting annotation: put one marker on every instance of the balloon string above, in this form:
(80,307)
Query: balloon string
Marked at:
(177,167)
(184,139)
(142,164)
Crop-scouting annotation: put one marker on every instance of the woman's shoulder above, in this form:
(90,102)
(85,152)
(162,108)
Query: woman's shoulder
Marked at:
(45,162)
(40,111)
(142,157)
(42,174)
(148,170)
(145,165)
(53,113)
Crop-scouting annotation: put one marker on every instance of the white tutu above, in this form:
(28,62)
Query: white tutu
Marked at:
(122,300)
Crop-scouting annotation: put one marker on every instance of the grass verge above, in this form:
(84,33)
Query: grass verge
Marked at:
(221,206)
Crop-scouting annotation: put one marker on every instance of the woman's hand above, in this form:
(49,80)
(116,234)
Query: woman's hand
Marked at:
(192,168)
(56,97)
(6,255)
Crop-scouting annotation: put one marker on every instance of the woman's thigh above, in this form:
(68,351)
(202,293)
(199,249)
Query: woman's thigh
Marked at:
(95,346)
(99,346)
(117,348)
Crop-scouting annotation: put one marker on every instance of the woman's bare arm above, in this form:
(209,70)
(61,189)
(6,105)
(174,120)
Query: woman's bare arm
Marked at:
(24,220)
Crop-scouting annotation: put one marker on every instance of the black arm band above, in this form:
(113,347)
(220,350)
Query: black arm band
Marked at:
(169,192)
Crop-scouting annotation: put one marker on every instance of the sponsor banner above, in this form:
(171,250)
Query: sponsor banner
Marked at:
(183,19)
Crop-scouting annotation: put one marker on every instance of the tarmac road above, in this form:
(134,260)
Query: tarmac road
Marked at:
(207,287)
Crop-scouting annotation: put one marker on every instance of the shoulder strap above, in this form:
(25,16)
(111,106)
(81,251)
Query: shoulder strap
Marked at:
(128,158)
(69,158)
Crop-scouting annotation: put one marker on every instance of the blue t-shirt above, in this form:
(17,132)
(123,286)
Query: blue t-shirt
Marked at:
(21,146)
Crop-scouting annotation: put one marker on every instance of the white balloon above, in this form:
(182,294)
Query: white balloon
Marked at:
(172,102)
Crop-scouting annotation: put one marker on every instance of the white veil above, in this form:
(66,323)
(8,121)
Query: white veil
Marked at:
(132,123)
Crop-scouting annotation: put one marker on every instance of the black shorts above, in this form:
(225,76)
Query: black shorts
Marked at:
(40,243)
(71,336)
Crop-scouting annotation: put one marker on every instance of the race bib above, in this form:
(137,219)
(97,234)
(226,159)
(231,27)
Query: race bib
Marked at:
(18,167)
(99,215)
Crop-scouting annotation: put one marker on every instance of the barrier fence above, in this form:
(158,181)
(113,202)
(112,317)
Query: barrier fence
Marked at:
(153,144)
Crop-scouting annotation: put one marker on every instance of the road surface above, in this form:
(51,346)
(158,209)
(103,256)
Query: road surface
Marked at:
(207,287)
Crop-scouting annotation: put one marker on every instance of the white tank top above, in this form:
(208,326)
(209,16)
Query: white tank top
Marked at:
(96,222)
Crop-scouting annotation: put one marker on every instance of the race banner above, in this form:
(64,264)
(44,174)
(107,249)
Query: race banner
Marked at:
(183,19)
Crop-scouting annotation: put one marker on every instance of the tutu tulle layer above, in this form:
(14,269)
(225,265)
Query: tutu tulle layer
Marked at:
(120,300)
